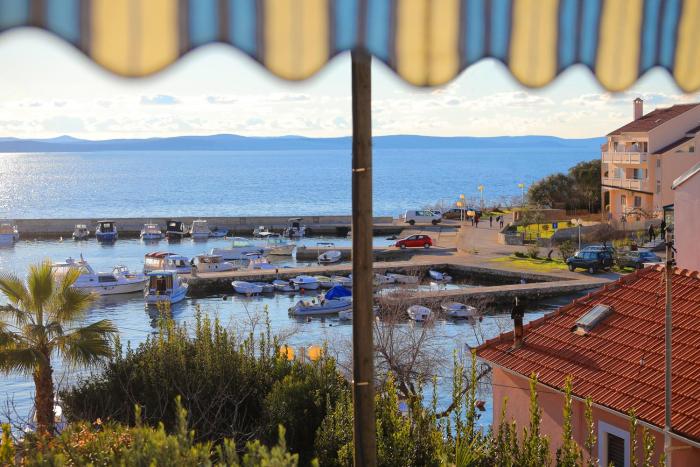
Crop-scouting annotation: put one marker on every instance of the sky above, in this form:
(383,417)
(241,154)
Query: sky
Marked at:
(48,89)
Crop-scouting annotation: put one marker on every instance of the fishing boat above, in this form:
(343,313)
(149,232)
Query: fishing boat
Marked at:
(164,287)
(258,261)
(81,232)
(217,232)
(334,301)
(261,232)
(266,286)
(240,247)
(246,288)
(283,286)
(342,280)
(279,246)
(295,228)
(163,260)
(419,313)
(381,279)
(325,282)
(305,283)
(403,278)
(330,257)
(175,230)
(151,232)
(9,233)
(458,310)
(119,281)
(439,276)
(212,263)
(106,231)
(199,230)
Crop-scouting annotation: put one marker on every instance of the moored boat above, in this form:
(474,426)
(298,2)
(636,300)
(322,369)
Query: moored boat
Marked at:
(106,231)
(279,246)
(81,232)
(325,282)
(305,282)
(164,287)
(212,263)
(439,276)
(342,280)
(151,232)
(240,247)
(199,230)
(175,230)
(246,288)
(217,232)
(419,313)
(283,286)
(330,257)
(261,231)
(119,281)
(295,228)
(403,278)
(258,261)
(266,286)
(163,260)
(334,301)
(381,279)
(458,310)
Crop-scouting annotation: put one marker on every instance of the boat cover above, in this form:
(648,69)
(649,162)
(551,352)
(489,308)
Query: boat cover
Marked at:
(337,291)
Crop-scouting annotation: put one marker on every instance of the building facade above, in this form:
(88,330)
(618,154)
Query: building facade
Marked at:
(686,219)
(641,160)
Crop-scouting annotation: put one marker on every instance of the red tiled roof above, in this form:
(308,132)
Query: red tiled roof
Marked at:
(654,119)
(620,362)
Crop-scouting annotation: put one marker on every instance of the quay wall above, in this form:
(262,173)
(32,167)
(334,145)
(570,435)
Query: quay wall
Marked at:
(131,226)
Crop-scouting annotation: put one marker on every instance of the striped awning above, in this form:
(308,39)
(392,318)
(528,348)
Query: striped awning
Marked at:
(427,42)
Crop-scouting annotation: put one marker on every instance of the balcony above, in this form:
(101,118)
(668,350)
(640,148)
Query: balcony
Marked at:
(625,157)
(627,183)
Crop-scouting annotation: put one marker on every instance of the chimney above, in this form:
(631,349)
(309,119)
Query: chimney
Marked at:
(517,315)
(638,108)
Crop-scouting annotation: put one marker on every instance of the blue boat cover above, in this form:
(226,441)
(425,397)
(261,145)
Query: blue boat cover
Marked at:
(337,292)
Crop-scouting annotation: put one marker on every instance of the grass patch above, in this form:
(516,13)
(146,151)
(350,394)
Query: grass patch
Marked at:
(539,264)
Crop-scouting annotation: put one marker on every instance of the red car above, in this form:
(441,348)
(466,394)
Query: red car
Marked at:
(415,241)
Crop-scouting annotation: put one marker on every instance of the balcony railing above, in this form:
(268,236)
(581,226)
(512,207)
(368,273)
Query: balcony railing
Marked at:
(626,157)
(627,183)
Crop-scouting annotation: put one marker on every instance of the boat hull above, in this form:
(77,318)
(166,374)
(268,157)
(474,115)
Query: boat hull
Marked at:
(283,250)
(200,235)
(127,288)
(6,239)
(170,298)
(151,236)
(230,254)
(330,307)
(106,236)
(246,288)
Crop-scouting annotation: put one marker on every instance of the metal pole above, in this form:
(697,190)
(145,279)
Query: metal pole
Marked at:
(362,301)
(667,338)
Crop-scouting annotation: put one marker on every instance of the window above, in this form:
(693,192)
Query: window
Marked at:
(623,200)
(638,174)
(613,445)
(658,162)
(658,186)
(637,201)
(616,451)
(691,149)
(619,172)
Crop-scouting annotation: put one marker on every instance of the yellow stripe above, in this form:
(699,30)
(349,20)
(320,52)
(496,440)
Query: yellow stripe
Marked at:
(686,70)
(427,51)
(617,63)
(134,37)
(296,37)
(533,43)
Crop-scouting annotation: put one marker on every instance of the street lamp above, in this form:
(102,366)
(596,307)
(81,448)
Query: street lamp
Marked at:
(481,190)
(578,222)
(522,189)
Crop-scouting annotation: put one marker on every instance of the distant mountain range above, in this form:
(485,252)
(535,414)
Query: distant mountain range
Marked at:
(248,143)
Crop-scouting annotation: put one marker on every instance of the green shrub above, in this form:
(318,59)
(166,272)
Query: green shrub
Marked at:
(566,249)
(533,251)
(520,254)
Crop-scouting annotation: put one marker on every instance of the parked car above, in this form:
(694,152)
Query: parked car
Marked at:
(460,213)
(610,249)
(424,215)
(636,259)
(415,241)
(591,260)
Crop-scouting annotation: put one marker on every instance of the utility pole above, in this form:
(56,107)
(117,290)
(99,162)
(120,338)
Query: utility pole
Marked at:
(667,338)
(522,189)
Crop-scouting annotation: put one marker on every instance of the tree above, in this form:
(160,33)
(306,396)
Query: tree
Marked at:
(551,190)
(586,178)
(41,321)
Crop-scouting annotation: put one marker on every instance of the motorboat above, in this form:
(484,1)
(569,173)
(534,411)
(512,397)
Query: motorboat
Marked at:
(381,279)
(217,232)
(439,276)
(258,261)
(403,278)
(175,230)
(266,286)
(246,288)
(164,287)
(342,280)
(283,286)
(279,246)
(334,301)
(458,310)
(295,228)
(199,230)
(240,247)
(330,257)
(261,232)
(119,281)
(306,283)
(419,313)
(8,233)
(81,232)
(346,315)
(163,260)
(325,282)
(151,232)
(212,263)
(106,231)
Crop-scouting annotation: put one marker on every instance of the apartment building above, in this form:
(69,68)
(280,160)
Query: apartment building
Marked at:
(641,160)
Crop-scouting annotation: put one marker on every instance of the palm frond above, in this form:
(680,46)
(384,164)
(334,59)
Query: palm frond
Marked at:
(69,304)
(13,288)
(20,359)
(41,283)
(11,313)
(87,345)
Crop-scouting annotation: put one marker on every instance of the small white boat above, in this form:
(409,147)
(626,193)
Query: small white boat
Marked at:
(334,301)
(261,231)
(283,286)
(119,281)
(218,233)
(258,261)
(330,257)
(164,287)
(240,247)
(440,276)
(295,228)
(458,310)
(325,282)
(246,288)
(403,278)
(306,283)
(212,263)
(81,232)
(419,313)
(381,279)
(151,232)
(199,230)
(341,280)
(175,230)
(266,286)
(163,260)
(106,231)
(279,246)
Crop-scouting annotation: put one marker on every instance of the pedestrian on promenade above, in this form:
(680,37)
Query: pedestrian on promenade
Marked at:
(471,218)
(652,233)
(662,229)
(490,221)
(476,221)
(501,221)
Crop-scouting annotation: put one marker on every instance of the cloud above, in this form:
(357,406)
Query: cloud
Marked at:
(64,124)
(221,100)
(159,99)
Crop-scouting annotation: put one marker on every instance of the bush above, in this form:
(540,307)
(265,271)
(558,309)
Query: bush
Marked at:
(520,254)
(566,249)
(533,251)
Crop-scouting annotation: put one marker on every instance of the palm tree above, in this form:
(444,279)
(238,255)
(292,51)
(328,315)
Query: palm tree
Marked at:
(42,320)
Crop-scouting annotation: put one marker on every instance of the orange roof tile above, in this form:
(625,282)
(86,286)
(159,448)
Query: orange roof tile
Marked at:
(653,119)
(620,362)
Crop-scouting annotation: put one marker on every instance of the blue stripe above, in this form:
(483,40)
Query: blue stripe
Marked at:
(669,25)
(13,13)
(567,32)
(345,23)
(378,27)
(62,17)
(243,24)
(476,30)
(500,28)
(588,41)
(649,34)
(204,25)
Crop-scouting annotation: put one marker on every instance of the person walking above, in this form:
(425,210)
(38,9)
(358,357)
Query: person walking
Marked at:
(490,221)
(500,222)
(662,229)
(476,221)
(652,233)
